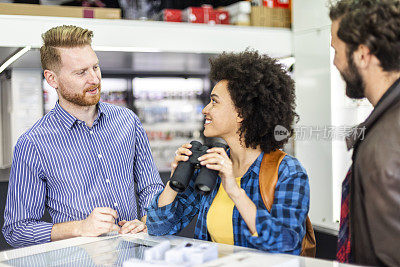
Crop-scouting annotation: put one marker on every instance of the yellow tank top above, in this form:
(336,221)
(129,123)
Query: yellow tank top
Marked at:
(219,217)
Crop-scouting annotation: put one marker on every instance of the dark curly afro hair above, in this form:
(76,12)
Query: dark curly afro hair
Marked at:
(263,94)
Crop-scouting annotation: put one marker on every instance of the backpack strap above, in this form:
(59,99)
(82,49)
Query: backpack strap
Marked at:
(269,176)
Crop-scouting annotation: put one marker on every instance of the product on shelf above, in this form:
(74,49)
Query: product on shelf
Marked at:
(59,11)
(239,13)
(167,135)
(205,14)
(170,112)
(277,3)
(218,17)
(169,15)
(136,9)
(184,254)
(270,17)
(118,98)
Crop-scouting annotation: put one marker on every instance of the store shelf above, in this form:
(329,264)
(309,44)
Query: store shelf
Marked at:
(151,36)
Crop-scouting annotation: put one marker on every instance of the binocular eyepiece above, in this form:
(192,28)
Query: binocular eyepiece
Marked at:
(206,179)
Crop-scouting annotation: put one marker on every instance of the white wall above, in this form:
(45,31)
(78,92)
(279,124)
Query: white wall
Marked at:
(5,133)
(26,100)
(322,103)
(22,105)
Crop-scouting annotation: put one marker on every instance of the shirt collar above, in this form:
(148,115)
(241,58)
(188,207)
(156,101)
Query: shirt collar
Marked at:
(255,167)
(103,109)
(69,120)
(388,93)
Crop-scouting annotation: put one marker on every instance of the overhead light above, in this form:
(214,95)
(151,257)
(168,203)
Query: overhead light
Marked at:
(125,49)
(14,57)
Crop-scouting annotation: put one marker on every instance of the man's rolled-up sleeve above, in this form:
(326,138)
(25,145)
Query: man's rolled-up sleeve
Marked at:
(26,199)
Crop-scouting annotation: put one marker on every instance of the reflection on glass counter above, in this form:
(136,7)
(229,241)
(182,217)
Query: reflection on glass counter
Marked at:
(109,252)
(134,250)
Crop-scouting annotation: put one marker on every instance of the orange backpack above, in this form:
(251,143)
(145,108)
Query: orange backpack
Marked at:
(267,179)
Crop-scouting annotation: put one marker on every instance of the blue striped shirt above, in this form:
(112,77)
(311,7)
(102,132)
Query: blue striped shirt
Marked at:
(70,168)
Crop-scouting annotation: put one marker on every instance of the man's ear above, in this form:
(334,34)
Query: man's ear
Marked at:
(51,78)
(362,56)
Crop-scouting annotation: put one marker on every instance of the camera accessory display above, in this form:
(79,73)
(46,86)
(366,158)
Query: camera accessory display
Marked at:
(206,178)
(185,254)
(157,252)
(192,253)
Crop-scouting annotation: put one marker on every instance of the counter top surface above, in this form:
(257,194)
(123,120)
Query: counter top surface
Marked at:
(114,250)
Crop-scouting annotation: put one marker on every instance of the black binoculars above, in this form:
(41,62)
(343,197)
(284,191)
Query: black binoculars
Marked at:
(206,179)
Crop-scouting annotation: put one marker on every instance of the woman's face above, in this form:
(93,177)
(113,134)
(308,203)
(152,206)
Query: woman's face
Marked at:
(221,117)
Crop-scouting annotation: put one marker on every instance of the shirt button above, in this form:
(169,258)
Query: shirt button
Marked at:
(100,156)
(91,132)
(115,204)
(107,180)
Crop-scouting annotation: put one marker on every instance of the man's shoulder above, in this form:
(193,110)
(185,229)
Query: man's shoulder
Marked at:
(45,122)
(117,111)
(379,152)
(392,114)
(385,130)
(40,128)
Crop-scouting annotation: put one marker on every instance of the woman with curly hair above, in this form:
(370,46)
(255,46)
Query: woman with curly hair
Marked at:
(252,96)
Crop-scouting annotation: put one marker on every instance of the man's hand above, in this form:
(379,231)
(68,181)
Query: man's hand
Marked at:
(100,221)
(132,227)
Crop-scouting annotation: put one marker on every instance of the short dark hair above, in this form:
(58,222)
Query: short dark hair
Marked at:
(263,94)
(338,8)
(373,23)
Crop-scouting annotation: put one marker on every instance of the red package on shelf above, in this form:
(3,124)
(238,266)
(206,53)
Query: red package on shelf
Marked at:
(268,3)
(172,15)
(195,15)
(282,3)
(277,3)
(205,14)
(218,17)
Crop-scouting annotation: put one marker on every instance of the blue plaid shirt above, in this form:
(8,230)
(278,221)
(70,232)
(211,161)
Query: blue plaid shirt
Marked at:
(280,231)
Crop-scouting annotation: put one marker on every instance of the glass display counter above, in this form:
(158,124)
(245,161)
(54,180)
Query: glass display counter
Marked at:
(115,250)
